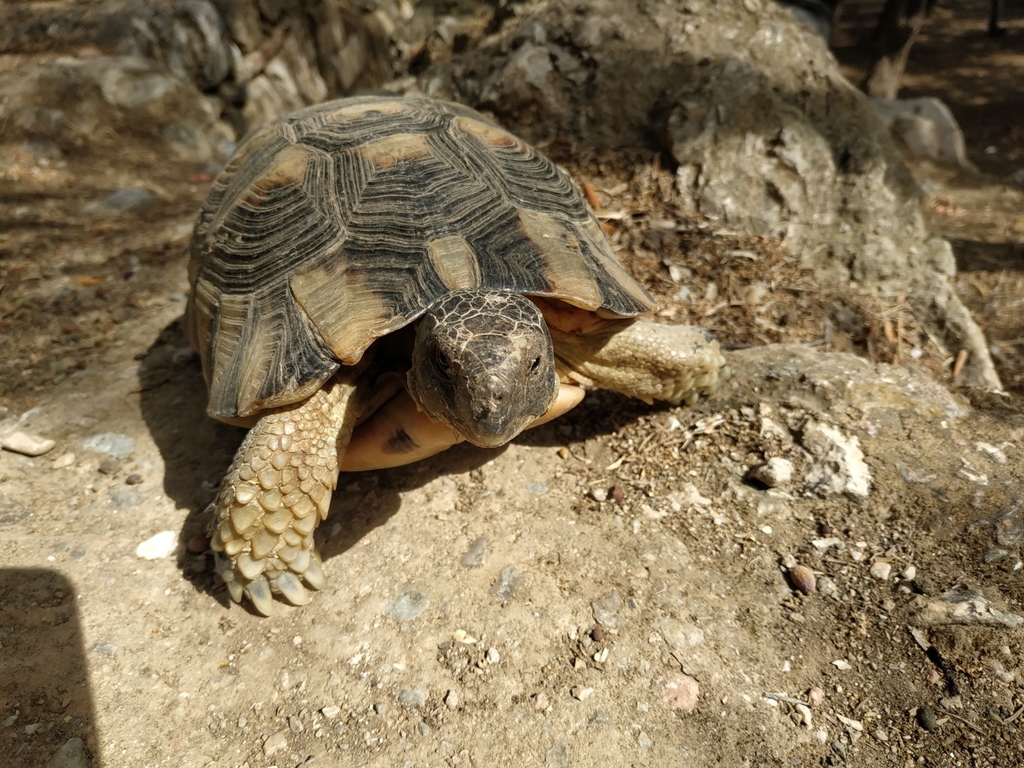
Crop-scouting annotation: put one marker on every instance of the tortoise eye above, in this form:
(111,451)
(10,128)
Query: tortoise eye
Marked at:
(535,366)
(442,364)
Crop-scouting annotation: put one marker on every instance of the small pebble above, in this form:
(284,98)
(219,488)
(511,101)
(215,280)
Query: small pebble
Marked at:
(880,569)
(276,743)
(159,546)
(618,494)
(331,711)
(681,693)
(492,656)
(32,728)
(133,479)
(411,696)
(408,605)
(538,489)
(27,445)
(927,718)
(66,460)
(644,742)
(816,696)
(909,573)
(777,471)
(1009,524)
(451,699)
(423,728)
(111,443)
(380,707)
(506,583)
(476,555)
(581,692)
(803,579)
(541,702)
(598,494)
(110,466)
(606,609)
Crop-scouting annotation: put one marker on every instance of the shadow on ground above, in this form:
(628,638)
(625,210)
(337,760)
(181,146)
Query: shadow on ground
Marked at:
(44,681)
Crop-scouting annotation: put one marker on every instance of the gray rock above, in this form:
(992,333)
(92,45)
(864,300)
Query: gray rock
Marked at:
(507,582)
(125,498)
(606,609)
(557,754)
(408,605)
(411,697)
(72,754)
(1009,524)
(476,555)
(926,127)
(111,443)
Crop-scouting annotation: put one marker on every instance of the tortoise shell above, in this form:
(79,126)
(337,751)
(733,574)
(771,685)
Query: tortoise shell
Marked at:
(341,223)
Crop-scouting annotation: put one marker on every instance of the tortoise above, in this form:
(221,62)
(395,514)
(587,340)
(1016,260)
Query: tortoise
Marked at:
(376,279)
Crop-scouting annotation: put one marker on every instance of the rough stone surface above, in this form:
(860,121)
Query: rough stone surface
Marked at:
(767,133)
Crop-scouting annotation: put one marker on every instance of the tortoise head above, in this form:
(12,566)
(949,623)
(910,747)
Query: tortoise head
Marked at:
(483,363)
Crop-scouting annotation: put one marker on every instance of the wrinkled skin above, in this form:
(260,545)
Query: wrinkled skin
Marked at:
(484,364)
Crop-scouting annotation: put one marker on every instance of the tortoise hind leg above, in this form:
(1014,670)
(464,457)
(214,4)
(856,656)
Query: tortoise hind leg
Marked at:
(641,359)
(277,491)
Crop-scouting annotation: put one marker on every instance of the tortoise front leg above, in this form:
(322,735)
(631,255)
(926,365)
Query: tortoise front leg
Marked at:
(641,359)
(277,491)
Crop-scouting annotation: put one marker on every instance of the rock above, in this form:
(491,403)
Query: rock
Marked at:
(111,443)
(476,555)
(331,711)
(776,472)
(159,546)
(408,605)
(803,579)
(606,609)
(926,127)
(507,582)
(110,466)
(680,636)
(451,699)
(681,692)
(64,460)
(768,135)
(1009,524)
(411,697)
(960,608)
(72,754)
(838,465)
(125,498)
(27,444)
(881,569)
(927,718)
(276,743)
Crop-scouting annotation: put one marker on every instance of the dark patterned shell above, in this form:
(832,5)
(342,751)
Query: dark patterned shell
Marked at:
(343,222)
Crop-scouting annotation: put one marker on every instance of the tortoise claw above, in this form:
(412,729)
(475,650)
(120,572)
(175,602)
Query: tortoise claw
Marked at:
(260,594)
(291,589)
(314,575)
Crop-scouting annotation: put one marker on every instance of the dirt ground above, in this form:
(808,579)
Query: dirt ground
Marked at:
(612,589)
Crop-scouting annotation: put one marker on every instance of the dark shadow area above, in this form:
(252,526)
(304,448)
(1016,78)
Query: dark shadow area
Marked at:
(45,699)
(973,255)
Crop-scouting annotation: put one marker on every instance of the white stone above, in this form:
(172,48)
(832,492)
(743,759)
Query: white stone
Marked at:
(26,444)
(880,569)
(157,547)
